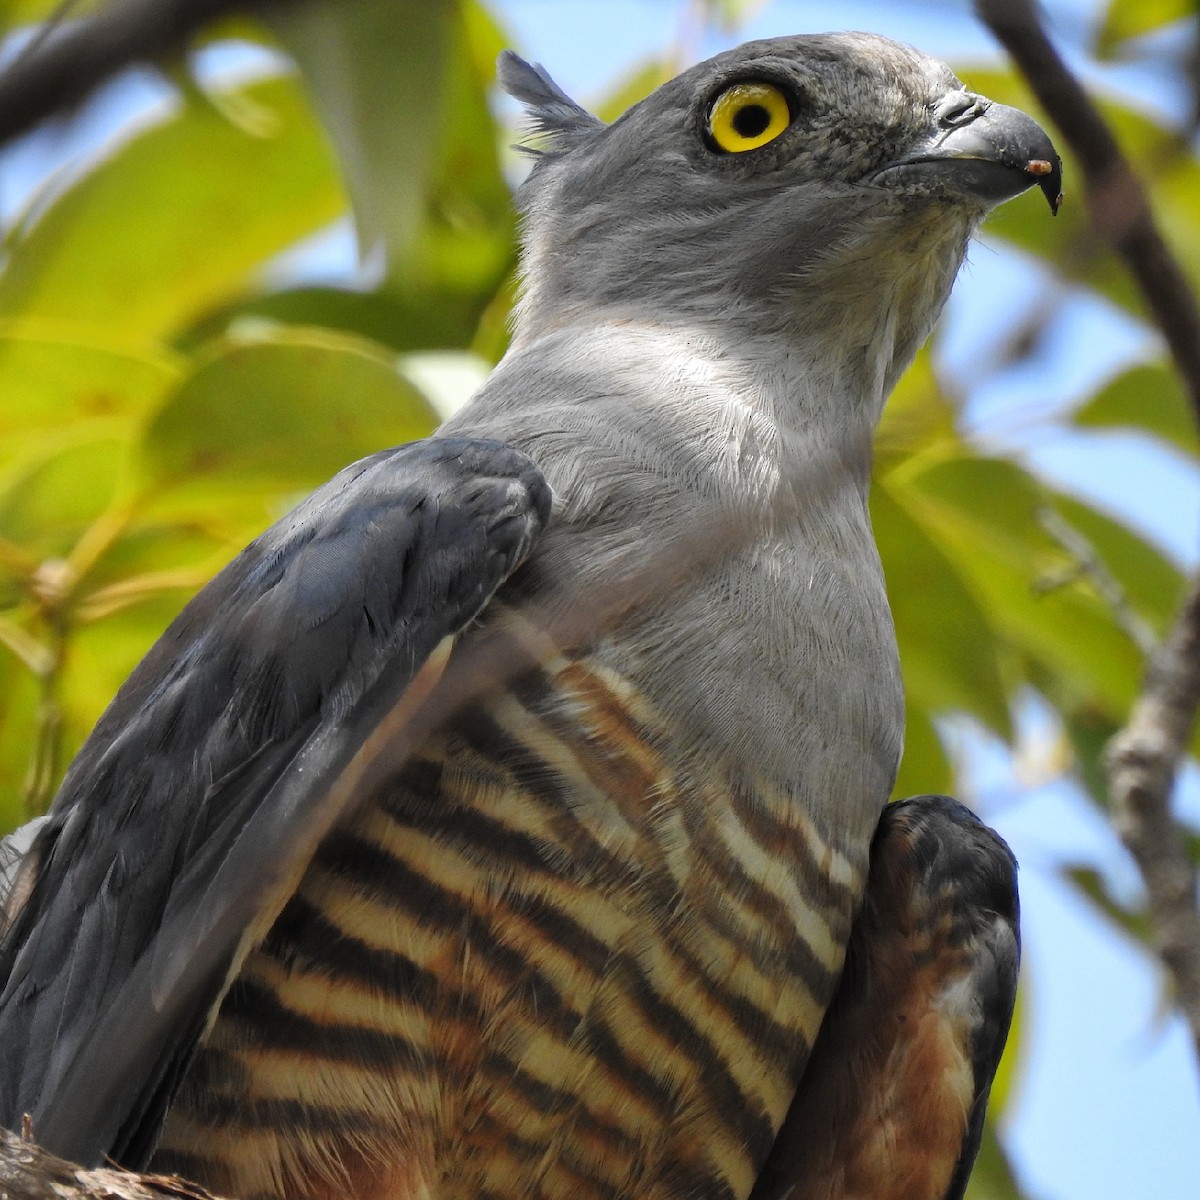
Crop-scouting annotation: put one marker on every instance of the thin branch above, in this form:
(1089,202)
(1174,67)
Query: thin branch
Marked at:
(1142,762)
(1144,757)
(57,71)
(1087,564)
(1192,71)
(1119,205)
(27,1172)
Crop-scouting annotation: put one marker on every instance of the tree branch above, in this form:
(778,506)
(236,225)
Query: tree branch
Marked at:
(1143,758)
(27,1172)
(58,71)
(1118,203)
(1142,761)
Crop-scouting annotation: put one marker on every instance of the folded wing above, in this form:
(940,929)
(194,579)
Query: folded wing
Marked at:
(243,736)
(892,1102)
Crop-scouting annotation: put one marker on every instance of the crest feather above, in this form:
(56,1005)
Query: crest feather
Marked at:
(554,117)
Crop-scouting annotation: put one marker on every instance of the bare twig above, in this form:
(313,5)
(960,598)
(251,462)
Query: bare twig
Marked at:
(1142,758)
(1119,205)
(1142,761)
(27,1172)
(58,71)
(1087,564)
(1192,71)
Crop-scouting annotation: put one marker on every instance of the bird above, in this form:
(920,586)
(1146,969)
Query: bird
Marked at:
(511,818)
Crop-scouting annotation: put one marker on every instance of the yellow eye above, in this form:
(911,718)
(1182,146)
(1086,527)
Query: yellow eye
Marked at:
(748,115)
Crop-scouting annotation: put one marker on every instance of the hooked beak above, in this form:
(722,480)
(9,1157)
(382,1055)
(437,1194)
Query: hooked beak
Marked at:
(981,149)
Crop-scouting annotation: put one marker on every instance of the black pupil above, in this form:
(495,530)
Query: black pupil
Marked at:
(751,120)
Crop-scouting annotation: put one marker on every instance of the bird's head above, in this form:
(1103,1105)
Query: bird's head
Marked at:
(828,169)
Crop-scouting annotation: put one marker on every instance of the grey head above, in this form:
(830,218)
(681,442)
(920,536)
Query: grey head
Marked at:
(787,179)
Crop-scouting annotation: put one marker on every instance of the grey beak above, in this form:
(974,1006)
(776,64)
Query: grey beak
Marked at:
(983,149)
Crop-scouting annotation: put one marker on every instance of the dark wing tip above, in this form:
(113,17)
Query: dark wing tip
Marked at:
(896,1086)
(553,116)
(965,871)
(950,847)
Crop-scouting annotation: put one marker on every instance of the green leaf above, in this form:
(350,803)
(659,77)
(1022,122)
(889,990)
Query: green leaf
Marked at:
(729,15)
(50,380)
(494,331)
(405,93)
(918,416)
(924,767)
(376,73)
(1193,846)
(1150,584)
(150,559)
(175,220)
(46,505)
(466,241)
(1141,590)
(993,1177)
(1127,19)
(1148,397)
(983,514)
(25,12)
(634,85)
(283,412)
(433,319)
(1089,731)
(18,706)
(1093,885)
(947,646)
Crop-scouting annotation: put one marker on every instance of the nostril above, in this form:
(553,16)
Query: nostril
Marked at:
(959,109)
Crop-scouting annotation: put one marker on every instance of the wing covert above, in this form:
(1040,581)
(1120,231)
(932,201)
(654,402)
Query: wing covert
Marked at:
(209,780)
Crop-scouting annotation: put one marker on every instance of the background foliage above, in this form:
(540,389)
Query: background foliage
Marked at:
(168,389)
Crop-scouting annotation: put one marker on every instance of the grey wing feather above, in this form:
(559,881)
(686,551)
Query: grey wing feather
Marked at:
(189,805)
